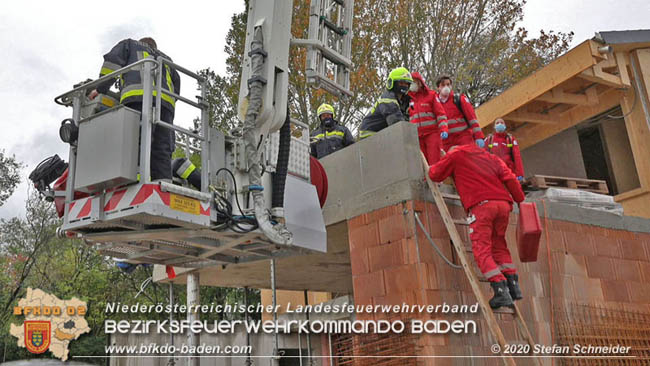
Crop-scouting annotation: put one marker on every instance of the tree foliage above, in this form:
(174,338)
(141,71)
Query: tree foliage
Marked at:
(477,42)
(31,255)
(9,176)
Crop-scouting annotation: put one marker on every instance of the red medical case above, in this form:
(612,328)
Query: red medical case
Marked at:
(529,231)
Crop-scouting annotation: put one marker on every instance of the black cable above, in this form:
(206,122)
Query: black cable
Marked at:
(234,182)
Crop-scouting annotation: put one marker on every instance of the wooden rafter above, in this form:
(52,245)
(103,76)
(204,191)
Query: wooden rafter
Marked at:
(533,117)
(564,68)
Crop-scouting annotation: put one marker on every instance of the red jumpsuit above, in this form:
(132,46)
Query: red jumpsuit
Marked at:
(504,145)
(461,132)
(486,187)
(426,111)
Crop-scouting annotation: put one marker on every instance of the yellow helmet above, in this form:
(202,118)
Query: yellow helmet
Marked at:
(398,74)
(325,108)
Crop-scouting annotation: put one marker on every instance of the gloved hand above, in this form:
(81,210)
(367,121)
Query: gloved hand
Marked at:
(520,178)
(480,143)
(444,135)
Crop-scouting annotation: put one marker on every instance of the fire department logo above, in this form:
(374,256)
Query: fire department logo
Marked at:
(37,336)
(49,324)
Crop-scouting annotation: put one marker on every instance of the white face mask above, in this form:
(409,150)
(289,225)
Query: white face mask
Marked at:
(445,91)
(414,87)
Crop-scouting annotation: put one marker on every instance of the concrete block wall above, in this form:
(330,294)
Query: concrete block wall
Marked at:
(393,263)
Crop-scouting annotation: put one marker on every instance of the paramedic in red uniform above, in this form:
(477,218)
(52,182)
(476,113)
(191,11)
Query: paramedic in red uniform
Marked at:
(486,187)
(461,118)
(428,114)
(504,145)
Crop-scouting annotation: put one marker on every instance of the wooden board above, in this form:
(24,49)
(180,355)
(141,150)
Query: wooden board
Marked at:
(547,181)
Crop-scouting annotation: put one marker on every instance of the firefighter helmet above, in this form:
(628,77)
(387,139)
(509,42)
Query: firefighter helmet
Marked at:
(398,74)
(325,108)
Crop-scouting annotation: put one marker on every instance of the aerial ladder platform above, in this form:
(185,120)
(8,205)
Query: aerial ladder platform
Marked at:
(256,200)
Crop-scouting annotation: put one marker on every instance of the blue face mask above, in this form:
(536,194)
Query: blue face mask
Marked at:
(500,128)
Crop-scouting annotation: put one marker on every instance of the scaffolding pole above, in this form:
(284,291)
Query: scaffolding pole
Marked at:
(193,299)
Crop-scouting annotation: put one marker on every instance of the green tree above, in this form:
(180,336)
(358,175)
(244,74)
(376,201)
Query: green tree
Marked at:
(477,42)
(9,175)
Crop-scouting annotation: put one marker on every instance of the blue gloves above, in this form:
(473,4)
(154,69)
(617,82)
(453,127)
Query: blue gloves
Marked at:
(480,143)
(444,135)
(520,178)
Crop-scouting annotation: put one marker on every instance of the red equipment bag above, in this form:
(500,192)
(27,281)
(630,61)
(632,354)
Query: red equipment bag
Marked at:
(529,231)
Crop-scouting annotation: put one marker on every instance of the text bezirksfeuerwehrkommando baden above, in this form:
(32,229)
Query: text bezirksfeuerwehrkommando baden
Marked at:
(345,308)
(301,326)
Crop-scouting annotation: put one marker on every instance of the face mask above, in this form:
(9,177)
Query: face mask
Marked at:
(445,91)
(500,127)
(328,123)
(414,87)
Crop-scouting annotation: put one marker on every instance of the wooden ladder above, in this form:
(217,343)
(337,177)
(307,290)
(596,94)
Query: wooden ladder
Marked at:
(461,249)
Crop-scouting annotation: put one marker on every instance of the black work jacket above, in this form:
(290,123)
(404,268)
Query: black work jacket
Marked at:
(127,52)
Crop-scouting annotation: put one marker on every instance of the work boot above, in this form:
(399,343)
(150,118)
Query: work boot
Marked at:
(513,286)
(501,295)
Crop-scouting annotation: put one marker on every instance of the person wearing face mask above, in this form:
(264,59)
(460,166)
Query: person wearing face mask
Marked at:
(461,118)
(392,105)
(428,114)
(330,136)
(503,145)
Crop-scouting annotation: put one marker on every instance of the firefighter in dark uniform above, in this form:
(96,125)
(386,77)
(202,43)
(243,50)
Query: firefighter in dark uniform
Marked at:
(125,53)
(391,106)
(330,136)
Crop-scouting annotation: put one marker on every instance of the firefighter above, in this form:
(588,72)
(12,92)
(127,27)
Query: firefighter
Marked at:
(391,106)
(486,187)
(461,118)
(428,114)
(504,145)
(125,53)
(330,136)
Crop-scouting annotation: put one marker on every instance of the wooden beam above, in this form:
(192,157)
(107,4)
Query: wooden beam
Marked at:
(533,117)
(621,63)
(601,77)
(557,95)
(532,134)
(580,58)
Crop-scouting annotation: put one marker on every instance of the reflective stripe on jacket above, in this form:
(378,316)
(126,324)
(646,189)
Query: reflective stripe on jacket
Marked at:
(425,109)
(456,118)
(506,147)
(325,142)
(386,111)
(127,52)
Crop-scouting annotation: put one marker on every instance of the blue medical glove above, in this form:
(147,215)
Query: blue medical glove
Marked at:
(520,178)
(444,135)
(480,143)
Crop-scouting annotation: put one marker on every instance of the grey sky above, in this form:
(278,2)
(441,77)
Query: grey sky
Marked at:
(48,46)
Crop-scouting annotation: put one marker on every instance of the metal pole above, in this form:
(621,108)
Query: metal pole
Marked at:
(159,72)
(299,348)
(248,335)
(276,358)
(311,362)
(171,361)
(193,300)
(205,144)
(145,124)
(72,157)
(329,344)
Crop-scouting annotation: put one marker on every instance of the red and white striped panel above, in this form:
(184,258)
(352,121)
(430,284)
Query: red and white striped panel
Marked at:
(125,198)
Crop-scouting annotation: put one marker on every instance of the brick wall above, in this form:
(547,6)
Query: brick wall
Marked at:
(393,263)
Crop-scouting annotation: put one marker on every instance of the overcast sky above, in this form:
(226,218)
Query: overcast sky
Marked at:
(48,46)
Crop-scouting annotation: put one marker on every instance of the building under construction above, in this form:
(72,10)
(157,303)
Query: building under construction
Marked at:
(583,123)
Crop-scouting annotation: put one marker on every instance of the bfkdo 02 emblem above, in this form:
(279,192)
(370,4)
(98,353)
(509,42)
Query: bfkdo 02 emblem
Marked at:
(37,335)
